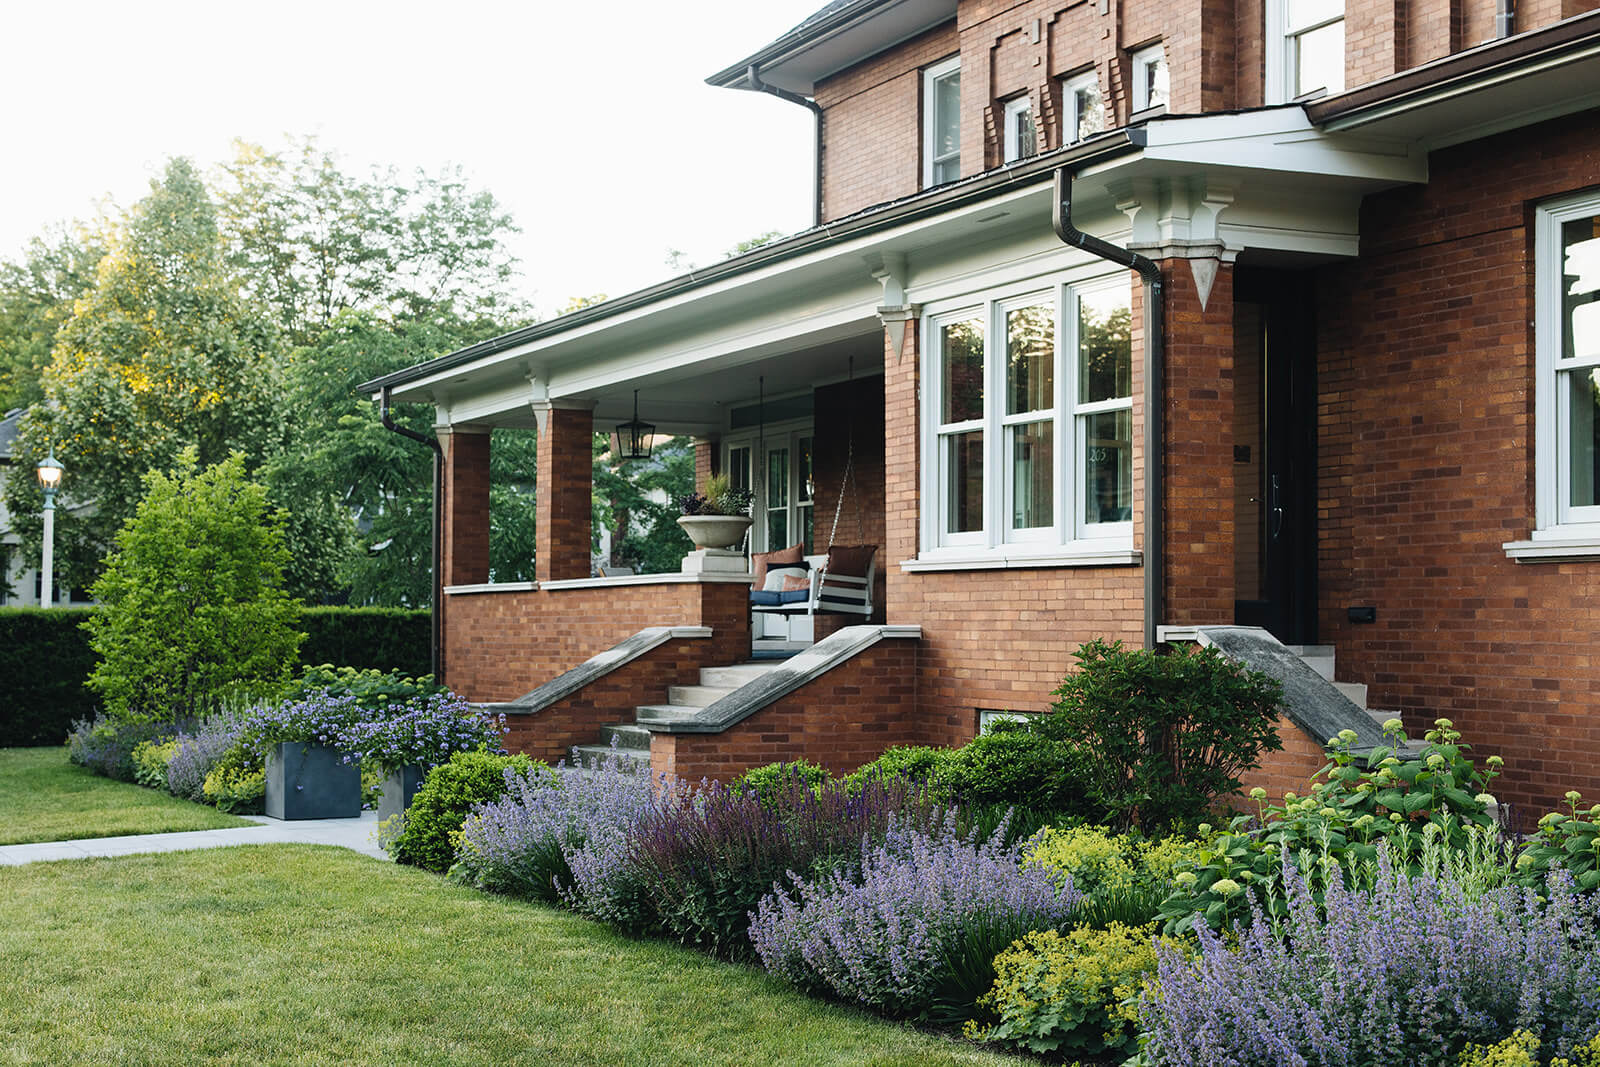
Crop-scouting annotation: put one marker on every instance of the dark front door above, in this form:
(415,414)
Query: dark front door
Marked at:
(1275,453)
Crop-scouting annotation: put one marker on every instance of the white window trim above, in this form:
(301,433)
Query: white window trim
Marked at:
(1142,60)
(930,75)
(1281,45)
(1561,532)
(1022,105)
(1068,542)
(1069,103)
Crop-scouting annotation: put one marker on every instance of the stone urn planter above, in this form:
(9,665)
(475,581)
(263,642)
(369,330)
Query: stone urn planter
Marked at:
(309,781)
(399,788)
(715,531)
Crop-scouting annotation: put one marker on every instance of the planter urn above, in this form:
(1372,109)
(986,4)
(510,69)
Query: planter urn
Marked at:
(310,781)
(399,788)
(715,531)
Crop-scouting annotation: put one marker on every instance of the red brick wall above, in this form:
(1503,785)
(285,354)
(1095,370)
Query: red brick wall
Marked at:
(466,507)
(1426,371)
(1288,770)
(550,734)
(505,644)
(565,485)
(1197,462)
(841,720)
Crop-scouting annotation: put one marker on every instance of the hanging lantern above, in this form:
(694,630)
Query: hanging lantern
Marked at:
(633,437)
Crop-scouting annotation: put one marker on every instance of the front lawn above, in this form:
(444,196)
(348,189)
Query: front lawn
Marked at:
(309,955)
(45,798)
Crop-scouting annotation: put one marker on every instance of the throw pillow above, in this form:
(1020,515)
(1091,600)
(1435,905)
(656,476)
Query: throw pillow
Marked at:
(778,558)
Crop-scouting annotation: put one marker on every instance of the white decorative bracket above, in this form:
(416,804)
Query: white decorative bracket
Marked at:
(1180,219)
(896,311)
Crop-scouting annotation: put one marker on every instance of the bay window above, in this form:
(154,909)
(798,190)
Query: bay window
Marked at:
(1030,397)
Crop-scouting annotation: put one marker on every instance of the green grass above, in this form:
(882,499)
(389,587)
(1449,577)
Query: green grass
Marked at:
(302,954)
(45,798)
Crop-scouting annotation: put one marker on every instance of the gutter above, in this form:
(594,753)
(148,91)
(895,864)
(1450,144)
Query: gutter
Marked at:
(1118,142)
(436,649)
(754,77)
(1154,363)
(799,39)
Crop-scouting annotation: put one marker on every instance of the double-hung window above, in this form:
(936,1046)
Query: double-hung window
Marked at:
(1567,337)
(1306,50)
(1030,412)
(1082,106)
(1021,141)
(1151,84)
(941,122)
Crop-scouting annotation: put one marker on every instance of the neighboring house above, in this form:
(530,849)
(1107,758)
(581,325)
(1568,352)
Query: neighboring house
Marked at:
(1377,232)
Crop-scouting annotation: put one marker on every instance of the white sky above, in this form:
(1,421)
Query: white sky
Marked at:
(591,122)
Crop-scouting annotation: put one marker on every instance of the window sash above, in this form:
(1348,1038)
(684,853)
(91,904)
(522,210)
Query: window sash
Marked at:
(1084,107)
(941,122)
(1020,135)
(1151,79)
(1556,423)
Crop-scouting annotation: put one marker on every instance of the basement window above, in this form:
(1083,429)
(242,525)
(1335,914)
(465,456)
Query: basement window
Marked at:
(1567,388)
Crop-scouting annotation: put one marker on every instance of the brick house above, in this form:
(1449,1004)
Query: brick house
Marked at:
(1367,324)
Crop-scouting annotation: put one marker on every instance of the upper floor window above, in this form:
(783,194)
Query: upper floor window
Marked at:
(1151,86)
(1083,109)
(1032,417)
(941,122)
(1307,56)
(1567,333)
(1021,139)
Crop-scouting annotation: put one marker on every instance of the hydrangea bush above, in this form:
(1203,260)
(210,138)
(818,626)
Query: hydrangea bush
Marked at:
(1411,970)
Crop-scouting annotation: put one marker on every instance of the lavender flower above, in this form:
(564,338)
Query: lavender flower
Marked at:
(886,936)
(200,751)
(1407,971)
(423,731)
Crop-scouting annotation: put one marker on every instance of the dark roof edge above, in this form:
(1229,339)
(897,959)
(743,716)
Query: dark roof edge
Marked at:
(1462,67)
(976,188)
(794,40)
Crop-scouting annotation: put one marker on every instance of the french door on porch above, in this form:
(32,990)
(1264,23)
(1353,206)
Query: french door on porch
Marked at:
(777,469)
(1275,454)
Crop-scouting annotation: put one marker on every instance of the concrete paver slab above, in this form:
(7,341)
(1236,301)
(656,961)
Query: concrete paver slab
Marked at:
(358,834)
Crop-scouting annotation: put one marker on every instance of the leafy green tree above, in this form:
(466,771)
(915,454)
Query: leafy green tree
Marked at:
(161,354)
(36,295)
(638,502)
(513,459)
(193,598)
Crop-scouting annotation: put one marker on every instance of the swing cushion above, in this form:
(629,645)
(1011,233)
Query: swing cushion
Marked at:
(791,556)
(788,584)
(850,561)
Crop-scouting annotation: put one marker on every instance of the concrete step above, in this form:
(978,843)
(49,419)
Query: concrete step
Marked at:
(1310,650)
(587,757)
(1355,692)
(697,696)
(1318,657)
(734,676)
(666,712)
(1380,716)
(629,735)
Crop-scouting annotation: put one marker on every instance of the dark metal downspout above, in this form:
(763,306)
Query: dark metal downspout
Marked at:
(436,649)
(754,75)
(1154,360)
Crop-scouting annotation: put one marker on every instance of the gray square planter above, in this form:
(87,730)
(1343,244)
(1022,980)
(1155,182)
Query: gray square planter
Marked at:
(398,790)
(306,781)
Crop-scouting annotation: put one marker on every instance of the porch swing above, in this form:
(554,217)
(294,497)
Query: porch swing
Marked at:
(837,581)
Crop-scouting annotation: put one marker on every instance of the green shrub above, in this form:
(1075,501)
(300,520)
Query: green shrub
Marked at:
(912,763)
(1019,768)
(1429,807)
(45,662)
(432,825)
(1161,735)
(774,780)
(396,640)
(1521,1049)
(150,759)
(106,746)
(1569,839)
(372,689)
(1073,994)
(237,790)
(192,595)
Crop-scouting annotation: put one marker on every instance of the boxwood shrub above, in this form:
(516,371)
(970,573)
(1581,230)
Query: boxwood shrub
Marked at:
(424,838)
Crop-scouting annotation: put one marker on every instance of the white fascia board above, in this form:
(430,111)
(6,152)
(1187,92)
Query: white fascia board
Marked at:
(1281,139)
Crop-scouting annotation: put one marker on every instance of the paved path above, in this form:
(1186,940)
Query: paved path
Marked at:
(359,834)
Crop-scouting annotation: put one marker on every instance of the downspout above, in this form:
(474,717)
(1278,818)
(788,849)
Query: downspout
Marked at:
(1505,18)
(1154,360)
(436,646)
(754,76)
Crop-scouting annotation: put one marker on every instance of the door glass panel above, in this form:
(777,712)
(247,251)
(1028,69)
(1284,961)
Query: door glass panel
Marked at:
(1580,291)
(777,498)
(964,482)
(805,490)
(1108,467)
(1105,346)
(1032,475)
(1030,359)
(739,468)
(1584,437)
(961,344)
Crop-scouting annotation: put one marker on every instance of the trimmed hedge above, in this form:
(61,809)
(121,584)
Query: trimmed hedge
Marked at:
(45,660)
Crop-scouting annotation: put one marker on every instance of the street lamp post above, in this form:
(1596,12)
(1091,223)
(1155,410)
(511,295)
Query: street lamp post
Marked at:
(50,479)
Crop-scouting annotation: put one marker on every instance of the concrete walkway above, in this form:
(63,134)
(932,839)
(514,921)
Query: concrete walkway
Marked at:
(358,834)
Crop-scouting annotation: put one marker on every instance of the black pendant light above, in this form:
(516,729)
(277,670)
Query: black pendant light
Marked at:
(633,437)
